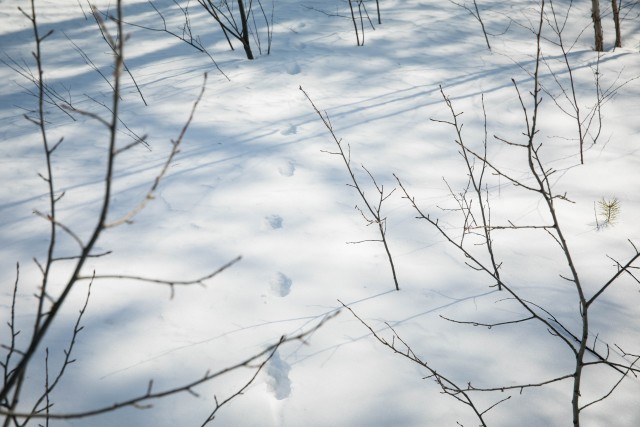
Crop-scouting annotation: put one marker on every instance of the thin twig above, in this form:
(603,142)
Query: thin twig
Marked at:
(373,210)
(150,395)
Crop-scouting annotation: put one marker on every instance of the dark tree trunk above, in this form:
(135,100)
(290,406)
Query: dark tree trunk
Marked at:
(355,24)
(245,30)
(616,21)
(597,25)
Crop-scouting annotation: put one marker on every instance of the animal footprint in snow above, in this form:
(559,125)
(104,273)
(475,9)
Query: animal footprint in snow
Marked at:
(274,221)
(293,68)
(278,377)
(287,168)
(280,285)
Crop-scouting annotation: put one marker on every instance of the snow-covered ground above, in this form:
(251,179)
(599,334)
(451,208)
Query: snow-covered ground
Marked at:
(255,178)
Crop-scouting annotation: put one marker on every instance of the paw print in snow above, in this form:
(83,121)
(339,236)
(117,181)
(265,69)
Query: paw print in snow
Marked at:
(274,221)
(280,285)
(287,168)
(278,377)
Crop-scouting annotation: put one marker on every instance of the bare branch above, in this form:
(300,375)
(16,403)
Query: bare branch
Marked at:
(127,218)
(620,271)
(447,386)
(245,386)
(141,401)
(374,210)
(197,281)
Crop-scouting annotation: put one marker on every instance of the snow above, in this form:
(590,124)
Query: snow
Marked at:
(255,177)
(278,377)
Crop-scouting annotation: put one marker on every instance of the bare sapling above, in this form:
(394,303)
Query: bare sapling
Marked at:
(446,384)
(372,213)
(475,12)
(237,19)
(113,46)
(573,333)
(476,171)
(358,19)
(589,123)
(564,84)
(185,34)
(583,352)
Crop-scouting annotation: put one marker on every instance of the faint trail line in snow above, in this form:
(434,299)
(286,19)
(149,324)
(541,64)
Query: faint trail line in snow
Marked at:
(334,348)
(308,319)
(453,302)
(277,412)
